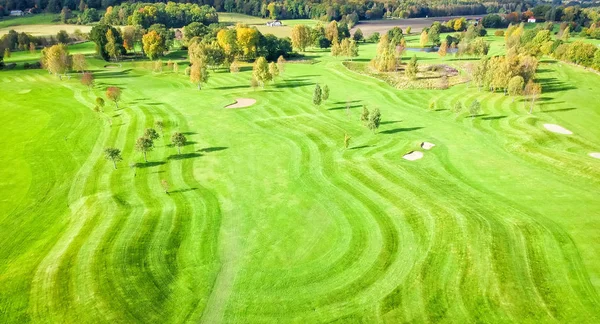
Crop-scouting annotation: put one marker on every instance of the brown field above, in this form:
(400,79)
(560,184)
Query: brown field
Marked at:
(368,27)
(45,30)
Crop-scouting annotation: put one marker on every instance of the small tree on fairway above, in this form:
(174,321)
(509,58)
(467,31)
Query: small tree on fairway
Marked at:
(317,95)
(179,140)
(87,79)
(358,35)
(346,141)
(144,145)
(432,105)
(260,71)
(325,94)
(113,154)
(254,83)
(533,91)
(273,70)
(114,94)
(151,133)
(364,116)
(165,185)
(515,86)
(99,103)
(412,68)
(198,73)
(408,30)
(475,108)
(234,67)
(457,107)
(374,120)
(443,49)
(160,125)
(175,67)
(79,63)
(281,64)
(424,38)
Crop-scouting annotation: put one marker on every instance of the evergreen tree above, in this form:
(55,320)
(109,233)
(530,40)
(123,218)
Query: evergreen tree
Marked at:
(317,95)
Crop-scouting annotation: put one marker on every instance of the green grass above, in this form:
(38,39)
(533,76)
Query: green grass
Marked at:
(260,23)
(269,219)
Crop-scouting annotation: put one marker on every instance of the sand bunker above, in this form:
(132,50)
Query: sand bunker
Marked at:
(242,102)
(557,129)
(595,155)
(414,155)
(427,145)
(111,66)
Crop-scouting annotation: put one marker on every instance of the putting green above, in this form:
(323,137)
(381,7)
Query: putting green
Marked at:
(269,218)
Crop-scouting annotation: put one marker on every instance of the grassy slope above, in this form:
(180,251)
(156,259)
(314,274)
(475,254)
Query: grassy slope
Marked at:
(270,219)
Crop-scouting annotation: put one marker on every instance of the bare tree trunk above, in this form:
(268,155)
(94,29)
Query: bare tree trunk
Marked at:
(114,164)
(178,149)
(145,159)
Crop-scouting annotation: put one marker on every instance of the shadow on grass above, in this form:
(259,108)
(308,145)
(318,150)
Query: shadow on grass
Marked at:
(558,110)
(189,133)
(149,164)
(400,130)
(183,156)
(292,84)
(345,102)
(212,149)
(494,117)
(232,87)
(475,116)
(360,147)
(183,190)
(554,85)
(389,122)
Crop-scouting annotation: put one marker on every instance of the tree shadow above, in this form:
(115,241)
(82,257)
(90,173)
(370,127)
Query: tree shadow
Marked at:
(360,147)
(400,130)
(550,85)
(149,164)
(344,107)
(292,84)
(441,109)
(183,156)
(212,149)
(494,117)
(558,110)
(345,102)
(189,133)
(183,190)
(232,87)
(389,122)
(475,116)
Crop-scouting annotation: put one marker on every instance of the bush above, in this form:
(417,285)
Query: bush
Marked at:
(499,33)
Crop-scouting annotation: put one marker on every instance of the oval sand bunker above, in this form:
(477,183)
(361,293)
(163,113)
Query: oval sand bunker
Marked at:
(427,145)
(595,155)
(414,155)
(557,129)
(242,102)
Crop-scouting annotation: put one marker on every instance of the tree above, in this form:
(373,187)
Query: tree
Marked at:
(358,35)
(179,140)
(129,35)
(325,94)
(300,37)
(99,103)
(515,86)
(227,40)
(457,107)
(165,185)
(151,133)
(98,36)
(79,63)
(144,145)
(154,44)
(247,40)
(408,30)
(480,72)
(443,49)
(254,83)
(317,95)
(346,140)
(273,70)
(364,116)
(56,59)
(432,105)
(424,38)
(475,108)
(198,73)
(374,120)
(175,67)
(331,31)
(7,52)
(112,47)
(260,71)
(566,34)
(280,64)
(114,94)
(160,125)
(87,79)
(412,68)
(62,37)
(113,154)
(533,91)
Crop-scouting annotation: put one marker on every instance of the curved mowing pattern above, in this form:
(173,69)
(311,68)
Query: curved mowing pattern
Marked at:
(268,217)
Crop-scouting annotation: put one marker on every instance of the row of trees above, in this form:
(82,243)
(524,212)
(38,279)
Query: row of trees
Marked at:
(145,144)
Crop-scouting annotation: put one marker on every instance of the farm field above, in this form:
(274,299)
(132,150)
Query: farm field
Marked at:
(260,23)
(39,25)
(268,218)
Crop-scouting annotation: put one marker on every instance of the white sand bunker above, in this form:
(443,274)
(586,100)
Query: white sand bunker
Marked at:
(427,145)
(24,91)
(414,155)
(242,102)
(111,66)
(595,155)
(557,129)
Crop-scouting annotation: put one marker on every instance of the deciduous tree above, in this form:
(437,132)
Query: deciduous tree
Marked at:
(144,145)
(281,64)
(113,154)
(179,140)
(317,95)
(374,120)
(154,44)
(198,73)
(87,79)
(56,59)
(515,86)
(533,91)
(424,38)
(260,71)
(114,94)
(300,37)
(325,94)
(364,116)
(412,68)
(79,62)
(475,108)
(151,133)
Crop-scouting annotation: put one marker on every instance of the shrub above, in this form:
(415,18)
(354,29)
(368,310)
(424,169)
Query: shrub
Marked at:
(499,33)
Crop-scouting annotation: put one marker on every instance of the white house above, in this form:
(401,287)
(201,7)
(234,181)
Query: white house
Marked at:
(16,12)
(531,20)
(274,23)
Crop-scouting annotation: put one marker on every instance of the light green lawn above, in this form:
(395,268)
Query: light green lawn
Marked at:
(270,219)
